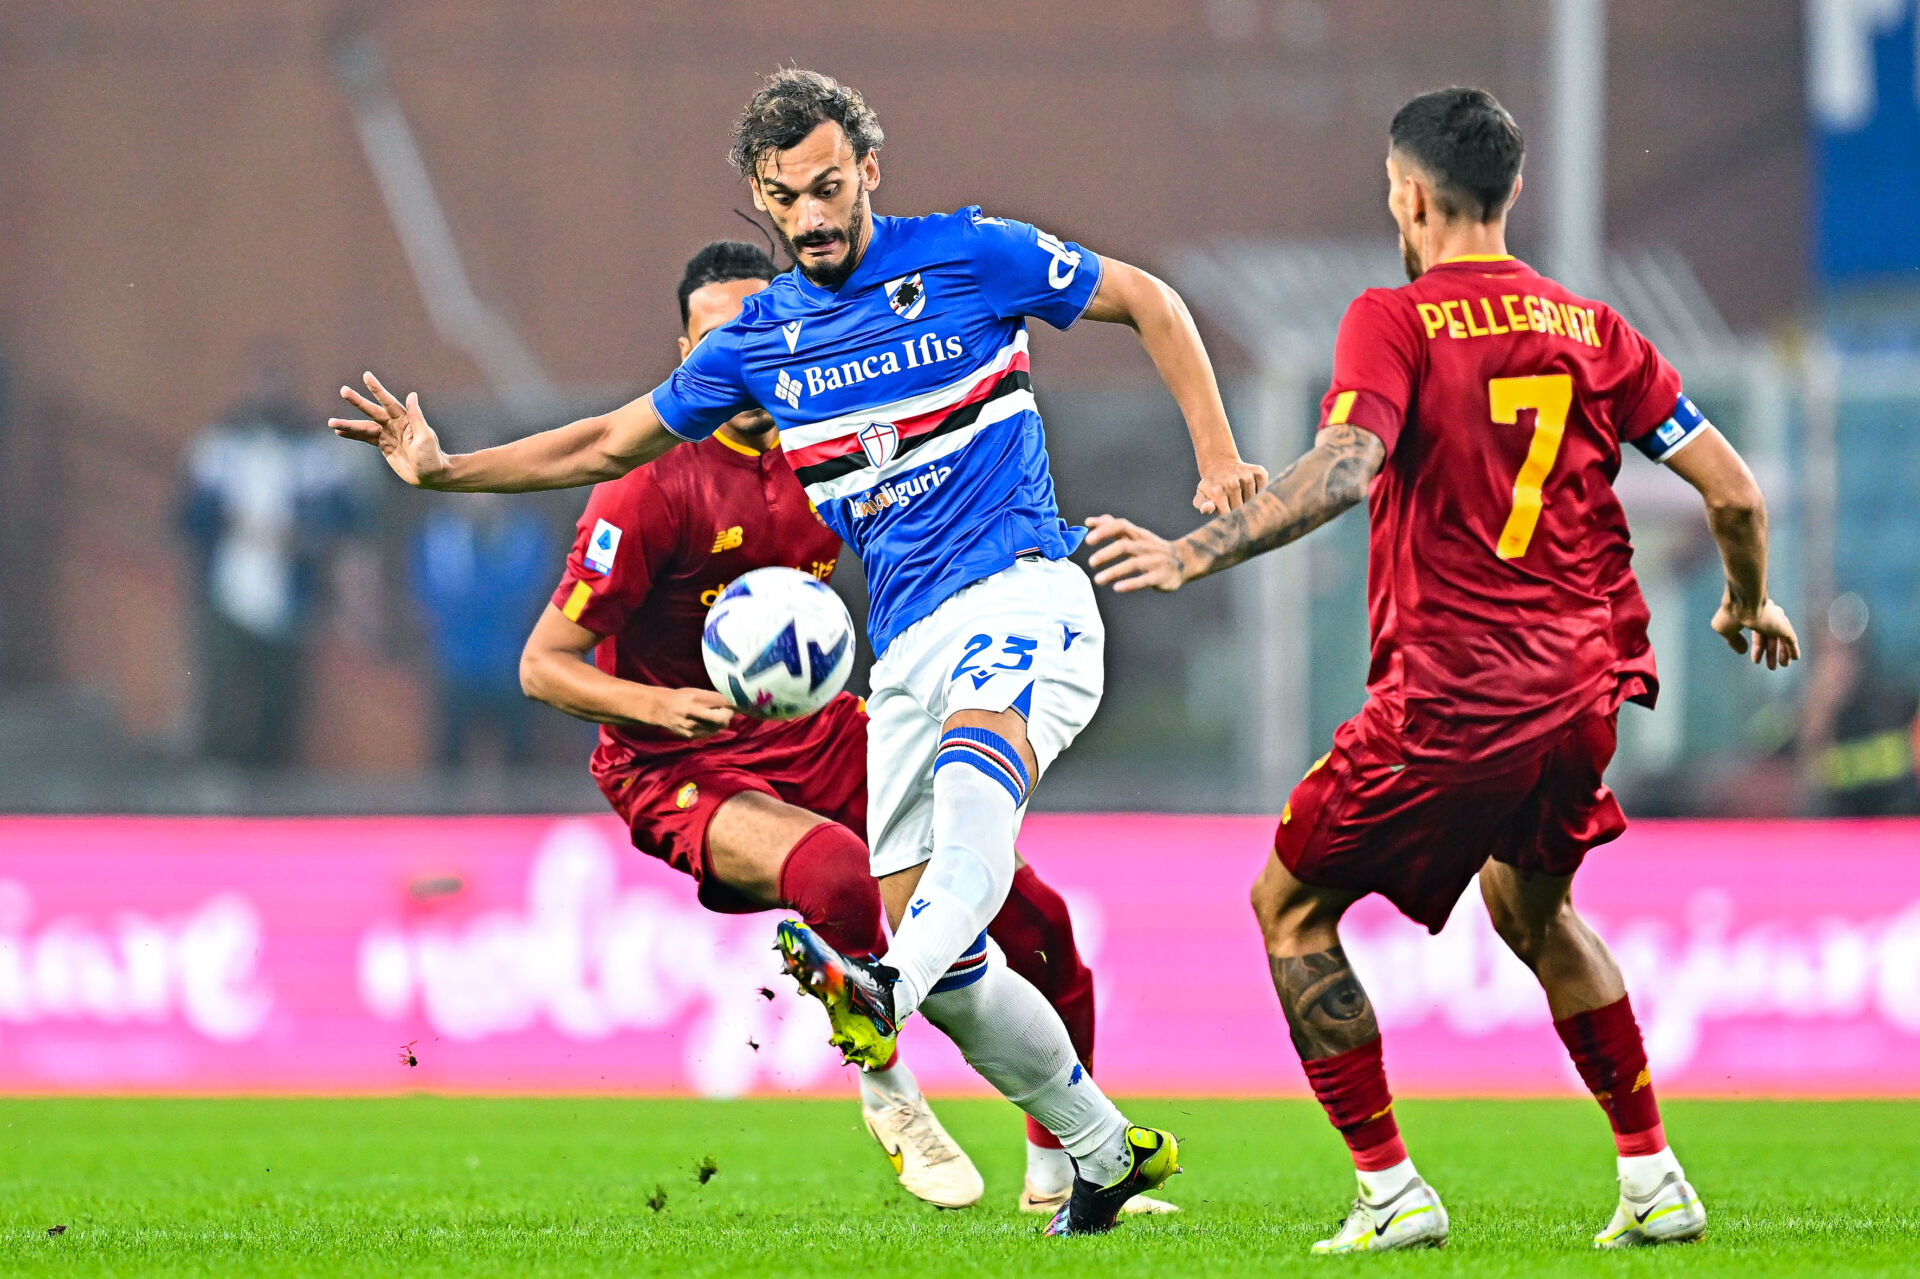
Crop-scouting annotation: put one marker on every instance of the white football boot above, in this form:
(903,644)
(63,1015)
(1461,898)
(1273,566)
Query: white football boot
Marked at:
(1673,1213)
(929,1163)
(1414,1218)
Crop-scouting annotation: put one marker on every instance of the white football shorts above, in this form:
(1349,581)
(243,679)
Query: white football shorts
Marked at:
(1029,637)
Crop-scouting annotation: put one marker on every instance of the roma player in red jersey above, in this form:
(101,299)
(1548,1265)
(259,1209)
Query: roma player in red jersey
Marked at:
(1481,409)
(761,814)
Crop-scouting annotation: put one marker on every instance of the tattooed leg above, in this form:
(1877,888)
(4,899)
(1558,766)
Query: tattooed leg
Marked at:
(1327,1008)
(1330,1017)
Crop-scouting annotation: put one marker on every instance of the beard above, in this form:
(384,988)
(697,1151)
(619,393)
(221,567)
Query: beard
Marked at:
(1410,259)
(754,423)
(830,277)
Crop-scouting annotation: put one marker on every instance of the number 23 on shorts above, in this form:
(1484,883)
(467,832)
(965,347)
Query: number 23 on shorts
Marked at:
(1015,652)
(1550,396)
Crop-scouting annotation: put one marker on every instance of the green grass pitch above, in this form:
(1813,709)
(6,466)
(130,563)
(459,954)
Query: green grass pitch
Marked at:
(433,1185)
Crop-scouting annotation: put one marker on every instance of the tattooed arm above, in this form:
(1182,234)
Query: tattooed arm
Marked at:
(1322,484)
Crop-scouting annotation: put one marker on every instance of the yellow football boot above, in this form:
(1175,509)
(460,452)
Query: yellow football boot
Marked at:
(1153,1156)
(858,994)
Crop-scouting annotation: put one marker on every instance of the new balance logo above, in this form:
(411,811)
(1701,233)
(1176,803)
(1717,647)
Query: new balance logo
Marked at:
(787,388)
(793,335)
(728,539)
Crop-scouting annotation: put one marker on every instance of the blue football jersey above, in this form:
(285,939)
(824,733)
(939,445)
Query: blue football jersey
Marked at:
(904,400)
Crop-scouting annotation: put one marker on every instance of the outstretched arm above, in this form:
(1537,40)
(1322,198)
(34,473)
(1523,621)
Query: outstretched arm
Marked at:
(584,452)
(1127,295)
(1325,481)
(1737,514)
(553,670)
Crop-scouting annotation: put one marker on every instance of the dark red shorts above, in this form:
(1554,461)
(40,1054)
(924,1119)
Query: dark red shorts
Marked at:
(1362,820)
(818,763)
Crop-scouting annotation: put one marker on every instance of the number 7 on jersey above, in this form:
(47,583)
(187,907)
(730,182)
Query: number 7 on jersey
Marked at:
(1550,396)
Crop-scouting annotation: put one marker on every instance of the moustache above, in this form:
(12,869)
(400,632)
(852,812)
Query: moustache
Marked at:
(814,239)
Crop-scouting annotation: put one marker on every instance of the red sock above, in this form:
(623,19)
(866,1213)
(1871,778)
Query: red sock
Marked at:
(828,879)
(1606,1048)
(1034,930)
(1352,1088)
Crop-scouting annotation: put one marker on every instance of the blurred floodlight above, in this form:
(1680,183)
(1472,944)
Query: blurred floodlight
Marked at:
(1847,617)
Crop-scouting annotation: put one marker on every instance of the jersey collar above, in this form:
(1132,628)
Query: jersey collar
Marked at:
(742,454)
(869,263)
(1481,259)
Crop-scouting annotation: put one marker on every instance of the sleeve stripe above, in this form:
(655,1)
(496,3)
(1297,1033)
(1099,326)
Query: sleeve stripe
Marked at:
(1342,406)
(1099,273)
(670,428)
(577,602)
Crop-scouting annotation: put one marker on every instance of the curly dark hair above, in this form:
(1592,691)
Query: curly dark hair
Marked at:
(1467,143)
(719,262)
(791,103)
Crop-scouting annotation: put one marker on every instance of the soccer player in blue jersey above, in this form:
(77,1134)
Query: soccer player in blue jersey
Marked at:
(894,361)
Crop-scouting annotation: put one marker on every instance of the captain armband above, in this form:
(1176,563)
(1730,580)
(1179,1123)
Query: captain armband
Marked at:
(1686,425)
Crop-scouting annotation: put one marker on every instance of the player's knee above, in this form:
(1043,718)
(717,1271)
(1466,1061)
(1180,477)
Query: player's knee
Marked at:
(1281,909)
(828,879)
(1523,937)
(1529,927)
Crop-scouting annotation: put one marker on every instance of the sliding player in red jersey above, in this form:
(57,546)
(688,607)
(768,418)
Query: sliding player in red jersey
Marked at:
(761,814)
(1481,409)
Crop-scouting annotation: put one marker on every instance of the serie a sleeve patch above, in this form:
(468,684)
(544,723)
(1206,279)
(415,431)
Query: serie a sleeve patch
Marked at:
(602,547)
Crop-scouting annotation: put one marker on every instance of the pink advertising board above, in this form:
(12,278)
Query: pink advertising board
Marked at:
(545,955)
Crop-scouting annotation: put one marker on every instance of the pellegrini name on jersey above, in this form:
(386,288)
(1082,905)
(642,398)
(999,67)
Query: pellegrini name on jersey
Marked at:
(904,399)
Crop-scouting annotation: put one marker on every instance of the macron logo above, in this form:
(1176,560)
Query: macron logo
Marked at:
(792,331)
(787,388)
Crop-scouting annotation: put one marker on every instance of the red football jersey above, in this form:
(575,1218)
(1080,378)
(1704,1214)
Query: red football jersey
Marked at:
(653,551)
(1500,598)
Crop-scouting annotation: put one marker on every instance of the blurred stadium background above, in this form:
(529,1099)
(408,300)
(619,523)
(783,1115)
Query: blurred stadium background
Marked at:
(215,213)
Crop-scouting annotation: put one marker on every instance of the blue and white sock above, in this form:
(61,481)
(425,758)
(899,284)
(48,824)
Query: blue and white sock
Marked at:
(979,784)
(1015,1039)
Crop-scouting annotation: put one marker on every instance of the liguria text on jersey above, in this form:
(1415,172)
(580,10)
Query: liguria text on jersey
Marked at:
(904,399)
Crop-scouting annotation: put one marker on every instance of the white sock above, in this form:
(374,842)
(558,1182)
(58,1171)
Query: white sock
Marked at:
(1379,1187)
(880,1089)
(1049,1169)
(1013,1037)
(971,870)
(1640,1175)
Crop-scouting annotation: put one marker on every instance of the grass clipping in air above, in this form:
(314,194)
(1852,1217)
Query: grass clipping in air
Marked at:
(427,1186)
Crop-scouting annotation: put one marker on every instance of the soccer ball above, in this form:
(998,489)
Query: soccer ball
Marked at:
(778,643)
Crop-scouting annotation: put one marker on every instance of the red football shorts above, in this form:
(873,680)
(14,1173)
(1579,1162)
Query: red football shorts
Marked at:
(1362,820)
(818,763)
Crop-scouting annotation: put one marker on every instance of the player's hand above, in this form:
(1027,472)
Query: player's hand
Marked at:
(691,713)
(399,431)
(1132,558)
(1772,641)
(1222,488)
